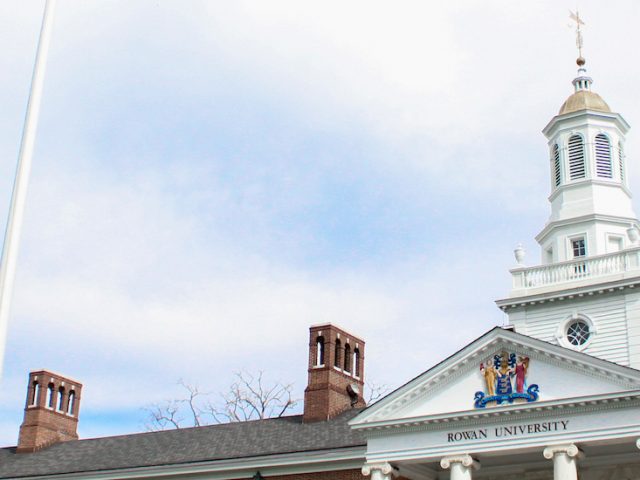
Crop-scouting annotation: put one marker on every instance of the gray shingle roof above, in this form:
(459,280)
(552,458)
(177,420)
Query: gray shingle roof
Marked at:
(189,445)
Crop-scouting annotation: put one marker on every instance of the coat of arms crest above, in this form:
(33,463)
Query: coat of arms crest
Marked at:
(505,377)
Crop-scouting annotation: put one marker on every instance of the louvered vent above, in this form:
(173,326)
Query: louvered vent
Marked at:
(576,157)
(603,156)
(621,160)
(556,165)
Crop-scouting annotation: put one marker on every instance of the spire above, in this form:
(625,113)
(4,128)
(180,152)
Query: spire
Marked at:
(579,42)
(582,98)
(582,82)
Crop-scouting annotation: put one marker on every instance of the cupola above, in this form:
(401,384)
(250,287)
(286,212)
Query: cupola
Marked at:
(591,208)
(584,296)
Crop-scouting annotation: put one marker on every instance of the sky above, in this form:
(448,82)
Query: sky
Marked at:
(211,178)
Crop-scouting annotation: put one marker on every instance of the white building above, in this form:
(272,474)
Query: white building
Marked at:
(559,397)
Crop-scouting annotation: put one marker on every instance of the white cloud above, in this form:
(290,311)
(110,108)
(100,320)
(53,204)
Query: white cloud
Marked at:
(133,299)
(142,263)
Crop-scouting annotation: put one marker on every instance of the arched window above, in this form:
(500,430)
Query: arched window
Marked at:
(576,157)
(60,407)
(356,362)
(319,351)
(557,171)
(51,397)
(603,156)
(336,360)
(347,358)
(621,161)
(35,393)
(71,406)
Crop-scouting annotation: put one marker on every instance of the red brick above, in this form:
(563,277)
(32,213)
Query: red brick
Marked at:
(326,394)
(44,425)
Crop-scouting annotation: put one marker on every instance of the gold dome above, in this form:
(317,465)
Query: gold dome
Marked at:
(584,100)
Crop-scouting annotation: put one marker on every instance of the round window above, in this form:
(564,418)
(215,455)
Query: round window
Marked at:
(578,333)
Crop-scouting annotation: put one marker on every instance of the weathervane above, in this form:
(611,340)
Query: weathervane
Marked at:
(579,43)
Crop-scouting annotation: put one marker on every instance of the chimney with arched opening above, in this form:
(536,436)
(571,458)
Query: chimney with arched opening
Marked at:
(51,411)
(336,373)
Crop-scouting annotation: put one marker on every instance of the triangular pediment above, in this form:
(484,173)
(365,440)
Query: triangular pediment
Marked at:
(497,371)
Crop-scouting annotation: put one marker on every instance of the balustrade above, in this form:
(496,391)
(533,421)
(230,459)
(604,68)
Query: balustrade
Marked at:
(575,270)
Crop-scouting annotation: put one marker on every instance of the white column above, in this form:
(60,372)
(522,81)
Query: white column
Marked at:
(461,466)
(379,471)
(638,443)
(564,461)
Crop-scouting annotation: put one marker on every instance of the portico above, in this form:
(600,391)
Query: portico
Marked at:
(618,462)
(586,421)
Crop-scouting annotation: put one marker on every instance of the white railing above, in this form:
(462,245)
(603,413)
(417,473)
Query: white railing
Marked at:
(576,270)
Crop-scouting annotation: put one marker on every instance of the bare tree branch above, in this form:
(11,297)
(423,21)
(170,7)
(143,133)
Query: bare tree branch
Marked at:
(374,392)
(193,394)
(249,397)
(163,417)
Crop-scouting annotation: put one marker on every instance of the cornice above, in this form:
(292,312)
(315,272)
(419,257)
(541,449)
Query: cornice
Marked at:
(549,227)
(588,181)
(502,415)
(555,123)
(568,292)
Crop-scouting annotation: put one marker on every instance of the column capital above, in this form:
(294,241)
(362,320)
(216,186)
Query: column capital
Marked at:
(569,449)
(464,459)
(383,467)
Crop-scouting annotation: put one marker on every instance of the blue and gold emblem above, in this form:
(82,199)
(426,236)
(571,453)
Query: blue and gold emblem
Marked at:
(505,377)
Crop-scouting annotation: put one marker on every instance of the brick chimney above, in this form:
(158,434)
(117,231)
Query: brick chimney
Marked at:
(336,373)
(51,411)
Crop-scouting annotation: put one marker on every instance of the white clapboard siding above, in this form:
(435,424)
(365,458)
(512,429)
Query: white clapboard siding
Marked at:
(606,311)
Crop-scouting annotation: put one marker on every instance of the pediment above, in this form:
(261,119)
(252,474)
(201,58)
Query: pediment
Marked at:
(497,371)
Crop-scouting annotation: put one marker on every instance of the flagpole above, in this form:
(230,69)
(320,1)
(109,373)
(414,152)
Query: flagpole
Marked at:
(19,194)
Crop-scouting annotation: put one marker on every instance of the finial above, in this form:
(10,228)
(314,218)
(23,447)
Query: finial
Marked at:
(520,253)
(633,234)
(579,43)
